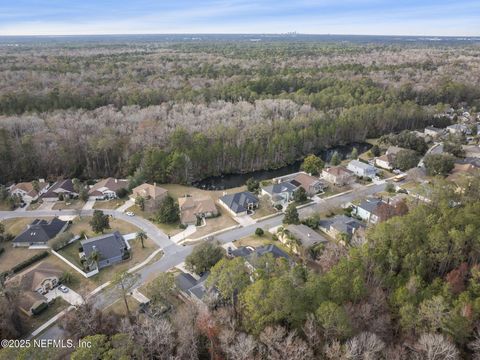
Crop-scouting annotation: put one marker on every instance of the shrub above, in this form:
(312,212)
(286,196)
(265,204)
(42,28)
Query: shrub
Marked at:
(29,262)
(1,250)
(259,232)
(121,193)
(42,306)
(61,240)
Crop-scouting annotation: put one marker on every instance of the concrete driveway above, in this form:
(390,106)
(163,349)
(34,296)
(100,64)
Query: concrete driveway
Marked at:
(71,296)
(125,206)
(89,205)
(244,220)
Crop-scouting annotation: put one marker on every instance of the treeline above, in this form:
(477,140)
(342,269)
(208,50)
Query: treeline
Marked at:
(187,142)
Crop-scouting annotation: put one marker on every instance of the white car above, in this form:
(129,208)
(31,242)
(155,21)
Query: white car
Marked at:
(129,213)
(63,288)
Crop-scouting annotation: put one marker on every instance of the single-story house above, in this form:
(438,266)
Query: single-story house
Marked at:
(433,131)
(26,190)
(63,187)
(305,237)
(192,289)
(33,284)
(39,232)
(251,255)
(311,184)
(340,224)
(281,193)
(110,249)
(337,175)
(362,169)
(240,203)
(193,208)
(149,191)
(385,161)
(107,188)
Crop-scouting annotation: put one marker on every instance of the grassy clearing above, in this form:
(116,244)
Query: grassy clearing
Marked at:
(31,323)
(108,204)
(169,229)
(215,224)
(118,307)
(69,205)
(177,191)
(82,225)
(256,241)
(265,208)
(13,256)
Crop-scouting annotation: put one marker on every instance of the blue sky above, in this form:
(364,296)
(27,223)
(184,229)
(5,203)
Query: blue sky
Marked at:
(375,17)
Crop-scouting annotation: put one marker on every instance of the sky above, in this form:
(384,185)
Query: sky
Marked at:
(362,17)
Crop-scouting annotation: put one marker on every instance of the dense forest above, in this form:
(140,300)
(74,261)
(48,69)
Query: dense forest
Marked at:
(182,111)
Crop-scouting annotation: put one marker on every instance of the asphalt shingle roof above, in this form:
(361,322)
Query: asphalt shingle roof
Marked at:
(40,231)
(238,202)
(109,245)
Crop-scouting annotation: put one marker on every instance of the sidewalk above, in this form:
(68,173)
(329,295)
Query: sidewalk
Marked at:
(125,206)
(88,205)
(183,235)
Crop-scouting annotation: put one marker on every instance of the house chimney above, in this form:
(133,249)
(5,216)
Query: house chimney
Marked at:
(116,181)
(308,234)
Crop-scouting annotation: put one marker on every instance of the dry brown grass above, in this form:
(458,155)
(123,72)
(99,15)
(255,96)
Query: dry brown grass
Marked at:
(265,208)
(256,241)
(68,205)
(108,204)
(215,224)
(13,256)
(82,224)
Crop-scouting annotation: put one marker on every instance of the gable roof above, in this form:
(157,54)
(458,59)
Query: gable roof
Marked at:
(108,245)
(361,165)
(370,205)
(108,184)
(27,187)
(267,249)
(394,150)
(338,171)
(40,231)
(191,206)
(306,181)
(342,224)
(238,202)
(61,186)
(280,188)
(306,235)
(150,190)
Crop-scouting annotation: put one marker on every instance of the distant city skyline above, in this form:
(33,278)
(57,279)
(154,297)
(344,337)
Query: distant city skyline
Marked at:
(353,17)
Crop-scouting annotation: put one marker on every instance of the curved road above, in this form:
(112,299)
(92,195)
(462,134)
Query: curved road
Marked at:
(175,254)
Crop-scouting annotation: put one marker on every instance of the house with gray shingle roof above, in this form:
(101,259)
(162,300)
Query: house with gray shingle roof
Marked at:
(110,249)
(39,232)
(281,193)
(240,203)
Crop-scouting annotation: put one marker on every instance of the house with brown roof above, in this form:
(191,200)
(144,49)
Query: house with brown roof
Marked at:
(338,175)
(107,188)
(149,191)
(34,284)
(385,161)
(193,208)
(27,191)
(311,184)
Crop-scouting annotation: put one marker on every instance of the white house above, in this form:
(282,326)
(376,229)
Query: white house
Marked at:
(362,169)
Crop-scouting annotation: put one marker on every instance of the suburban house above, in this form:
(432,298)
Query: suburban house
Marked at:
(362,169)
(192,289)
(39,232)
(61,187)
(107,188)
(337,175)
(298,237)
(193,208)
(240,203)
(311,184)
(385,161)
(251,255)
(280,194)
(104,250)
(366,210)
(148,191)
(26,190)
(340,224)
(34,284)
(433,131)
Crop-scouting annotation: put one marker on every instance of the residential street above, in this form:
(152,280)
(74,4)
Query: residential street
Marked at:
(175,254)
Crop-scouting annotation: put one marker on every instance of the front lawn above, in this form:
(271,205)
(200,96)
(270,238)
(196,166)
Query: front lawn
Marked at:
(13,256)
(215,224)
(69,205)
(108,204)
(265,208)
(169,229)
(256,241)
(82,225)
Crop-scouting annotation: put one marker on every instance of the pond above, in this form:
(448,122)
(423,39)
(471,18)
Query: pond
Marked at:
(229,181)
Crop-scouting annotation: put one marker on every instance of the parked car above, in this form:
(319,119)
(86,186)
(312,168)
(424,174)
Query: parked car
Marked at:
(63,289)
(129,213)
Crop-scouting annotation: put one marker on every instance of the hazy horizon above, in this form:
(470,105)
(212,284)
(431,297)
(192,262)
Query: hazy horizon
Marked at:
(315,17)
